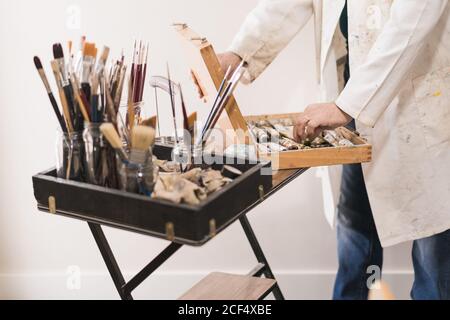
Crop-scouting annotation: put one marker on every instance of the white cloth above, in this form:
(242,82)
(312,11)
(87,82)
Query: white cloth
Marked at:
(399,94)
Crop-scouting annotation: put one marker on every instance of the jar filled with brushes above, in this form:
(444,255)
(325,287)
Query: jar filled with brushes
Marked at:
(138,178)
(70,155)
(187,155)
(95,154)
(138,173)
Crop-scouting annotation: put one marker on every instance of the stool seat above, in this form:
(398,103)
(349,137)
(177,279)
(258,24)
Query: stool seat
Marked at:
(223,286)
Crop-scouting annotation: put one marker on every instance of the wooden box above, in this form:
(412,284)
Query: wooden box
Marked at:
(206,68)
(361,152)
(181,223)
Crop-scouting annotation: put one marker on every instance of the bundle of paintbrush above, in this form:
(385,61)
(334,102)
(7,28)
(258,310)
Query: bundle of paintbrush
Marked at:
(224,95)
(135,160)
(137,83)
(90,94)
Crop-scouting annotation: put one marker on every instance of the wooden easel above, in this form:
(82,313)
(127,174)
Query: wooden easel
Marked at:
(206,69)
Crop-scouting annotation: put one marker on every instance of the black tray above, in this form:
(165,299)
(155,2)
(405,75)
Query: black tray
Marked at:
(185,224)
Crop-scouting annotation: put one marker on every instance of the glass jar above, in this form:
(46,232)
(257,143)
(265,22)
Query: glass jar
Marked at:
(70,156)
(187,155)
(95,154)
(136,177)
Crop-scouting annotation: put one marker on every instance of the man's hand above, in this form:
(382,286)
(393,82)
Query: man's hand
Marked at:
(228,59)
(319,117)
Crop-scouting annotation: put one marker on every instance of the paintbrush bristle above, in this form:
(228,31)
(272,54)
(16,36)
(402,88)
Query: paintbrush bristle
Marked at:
(89,50)
(69,46)
(142,138)
(192,119)
(58,52)
(150,122)
(37,63)
(105,54)
(111,135)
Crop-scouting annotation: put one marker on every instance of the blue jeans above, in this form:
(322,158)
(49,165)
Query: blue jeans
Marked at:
(359,248)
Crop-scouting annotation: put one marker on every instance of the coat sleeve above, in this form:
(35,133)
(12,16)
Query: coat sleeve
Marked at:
(374,84)
(267,31)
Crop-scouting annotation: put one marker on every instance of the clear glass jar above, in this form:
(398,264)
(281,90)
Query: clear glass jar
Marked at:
(187,155)
(95,154)
(138,178)
(70,156)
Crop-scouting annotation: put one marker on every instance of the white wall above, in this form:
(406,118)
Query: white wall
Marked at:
(36,249)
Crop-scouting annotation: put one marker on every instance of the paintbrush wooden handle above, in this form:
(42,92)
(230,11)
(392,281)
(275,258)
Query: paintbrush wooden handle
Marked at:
(86,88)
(83,104)
(66,110)
(71,105)
(62,95)
(94,107)
(57,112)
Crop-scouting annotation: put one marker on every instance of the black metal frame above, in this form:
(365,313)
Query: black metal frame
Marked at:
(125,289)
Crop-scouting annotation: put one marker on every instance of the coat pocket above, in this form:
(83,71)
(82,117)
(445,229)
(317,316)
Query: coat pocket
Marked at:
(432,96)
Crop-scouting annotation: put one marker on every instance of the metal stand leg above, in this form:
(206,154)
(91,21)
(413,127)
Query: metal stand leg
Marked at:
(152,267)
(263,266)
(125,289)
(109,259)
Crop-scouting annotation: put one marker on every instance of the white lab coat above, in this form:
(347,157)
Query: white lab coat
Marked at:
(399,93)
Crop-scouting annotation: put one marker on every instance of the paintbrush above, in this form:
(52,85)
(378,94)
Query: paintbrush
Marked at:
(110,133)
(133,63)
(183,107)
(172,102)
(150,122)
(95,112)
(81,99)
(87,66)
(97,101)
(101,63)
(220,103)
(79,56)
(216,100)
(69,47)
(142,138)
(43,76)
(144,74)
(174,114)
(65,107)
(119,88)
(227,96)
(110,110)
(130,114)
(192,120)
(187,137)
(58,54)
(157,110)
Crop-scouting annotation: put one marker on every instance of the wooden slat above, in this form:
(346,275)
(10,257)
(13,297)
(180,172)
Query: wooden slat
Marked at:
(319,157)
(360,153)
(278,116)
(222,286)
